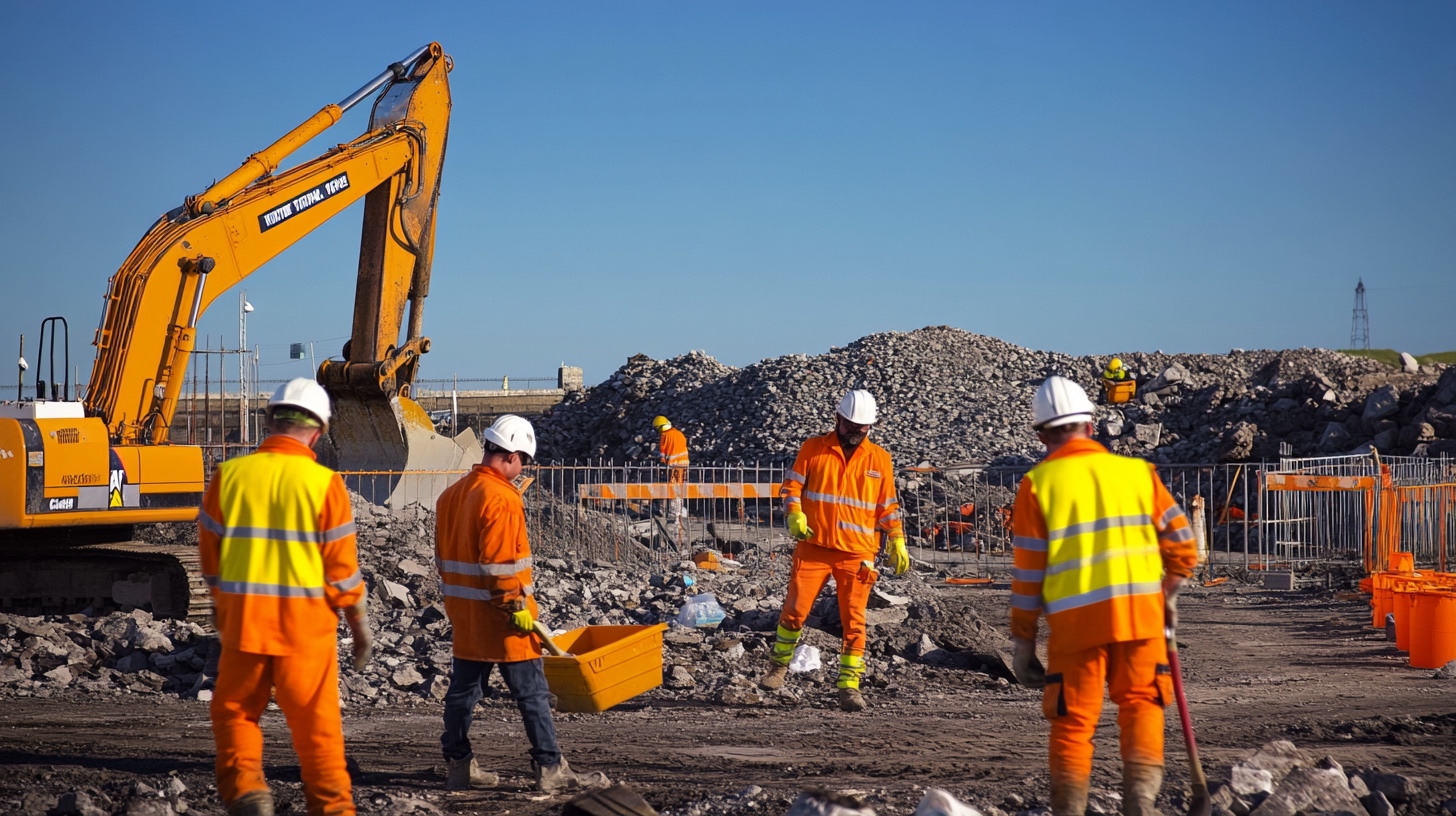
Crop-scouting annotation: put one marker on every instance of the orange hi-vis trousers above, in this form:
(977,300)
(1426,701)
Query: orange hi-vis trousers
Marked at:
(813,566)
(1137,677)
(306,687)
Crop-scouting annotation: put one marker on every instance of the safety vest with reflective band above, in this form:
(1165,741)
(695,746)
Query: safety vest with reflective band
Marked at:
(1093,534)
(672,448)
(276,538)
(1110,374)
(484,562)
(848,502)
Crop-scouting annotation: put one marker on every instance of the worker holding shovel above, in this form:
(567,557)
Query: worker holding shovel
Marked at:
(1102,549)
(484,561)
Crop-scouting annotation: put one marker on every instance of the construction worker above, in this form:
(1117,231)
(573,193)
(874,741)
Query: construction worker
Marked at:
(1102,549)
(1118,384)
(1114,370)
(839,495)
(276,535)
(484,561)
(672,451)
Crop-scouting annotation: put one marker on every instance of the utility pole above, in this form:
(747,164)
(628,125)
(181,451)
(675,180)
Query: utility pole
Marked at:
(243,308)
(20,377)
(1360,322)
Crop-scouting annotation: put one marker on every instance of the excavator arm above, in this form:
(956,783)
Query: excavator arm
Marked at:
(197,252)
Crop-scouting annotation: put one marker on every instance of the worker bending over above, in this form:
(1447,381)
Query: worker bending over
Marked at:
(672,451)
(1101,548)
(1115,370)
(276,535)
(485,575)
(838,497)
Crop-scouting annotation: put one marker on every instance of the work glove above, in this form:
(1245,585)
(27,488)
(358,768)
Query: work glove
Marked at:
(899,554)
(799,526)
(1026,665)
(1172,585)
(521,619)
(357,616)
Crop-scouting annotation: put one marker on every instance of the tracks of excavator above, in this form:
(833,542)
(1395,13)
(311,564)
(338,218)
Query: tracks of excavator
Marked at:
(102,570)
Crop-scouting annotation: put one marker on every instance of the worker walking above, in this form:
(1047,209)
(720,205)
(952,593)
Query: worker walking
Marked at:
(276,535)
(484,561)
(1102,549)
(672,451)
(838,497)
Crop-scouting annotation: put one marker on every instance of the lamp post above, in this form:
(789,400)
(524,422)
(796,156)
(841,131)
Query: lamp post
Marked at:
(244,307)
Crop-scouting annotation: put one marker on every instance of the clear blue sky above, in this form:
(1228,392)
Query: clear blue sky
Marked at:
(756,179)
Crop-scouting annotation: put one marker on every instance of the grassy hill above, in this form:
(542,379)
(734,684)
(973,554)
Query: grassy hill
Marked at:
(1391,357)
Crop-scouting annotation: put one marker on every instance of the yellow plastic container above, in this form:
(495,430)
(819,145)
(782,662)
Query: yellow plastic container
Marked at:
(608,665)
(1119,391)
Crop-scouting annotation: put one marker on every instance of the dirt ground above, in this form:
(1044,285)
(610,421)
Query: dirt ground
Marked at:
(1259,666)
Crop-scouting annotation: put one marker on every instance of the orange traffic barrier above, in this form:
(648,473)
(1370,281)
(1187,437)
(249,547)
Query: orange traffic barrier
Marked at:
(969,581)
(1433,629)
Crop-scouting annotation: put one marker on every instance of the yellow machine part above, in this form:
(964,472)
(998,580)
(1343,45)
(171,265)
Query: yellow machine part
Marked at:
(64,472)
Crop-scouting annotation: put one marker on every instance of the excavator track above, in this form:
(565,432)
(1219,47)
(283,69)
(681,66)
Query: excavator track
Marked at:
(61,576)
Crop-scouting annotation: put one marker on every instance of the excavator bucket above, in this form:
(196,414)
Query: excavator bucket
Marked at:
(388,452)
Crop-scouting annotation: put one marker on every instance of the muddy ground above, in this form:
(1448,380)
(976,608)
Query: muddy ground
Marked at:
(1259,666)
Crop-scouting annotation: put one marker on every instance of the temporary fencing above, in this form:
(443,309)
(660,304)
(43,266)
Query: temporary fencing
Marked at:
(1345,513)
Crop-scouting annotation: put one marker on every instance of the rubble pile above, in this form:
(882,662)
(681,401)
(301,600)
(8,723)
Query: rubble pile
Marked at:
(948,395)
(1281,780)
(130,653)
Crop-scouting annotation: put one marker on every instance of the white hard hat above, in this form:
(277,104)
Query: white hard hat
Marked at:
(513,434)
(304,394)
(859,407)
(1059,401)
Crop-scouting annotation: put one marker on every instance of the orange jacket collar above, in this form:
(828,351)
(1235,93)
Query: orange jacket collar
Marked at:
(279,443)
(487,470)
(1078,447)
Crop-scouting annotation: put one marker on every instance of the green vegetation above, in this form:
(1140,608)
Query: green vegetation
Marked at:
(1391,357)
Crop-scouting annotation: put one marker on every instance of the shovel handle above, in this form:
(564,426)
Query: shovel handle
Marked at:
(1201,804)
(545,636)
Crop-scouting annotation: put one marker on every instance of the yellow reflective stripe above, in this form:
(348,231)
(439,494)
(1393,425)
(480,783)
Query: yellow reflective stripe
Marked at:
(270,590)
(209,523)
(1099,525)
(336,533)
(475,568)
(1103,594)
(1099,557)
(477,594)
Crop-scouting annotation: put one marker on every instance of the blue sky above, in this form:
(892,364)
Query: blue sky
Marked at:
(757,179)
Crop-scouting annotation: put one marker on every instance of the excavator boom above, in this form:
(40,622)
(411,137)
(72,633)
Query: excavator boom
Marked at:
(110,463)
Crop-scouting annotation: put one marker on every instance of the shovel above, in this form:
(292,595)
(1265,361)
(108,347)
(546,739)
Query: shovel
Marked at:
(545,635)
(1201,805)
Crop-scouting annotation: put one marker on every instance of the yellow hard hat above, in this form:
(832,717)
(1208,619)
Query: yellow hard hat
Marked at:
(1115,364)
(660,423)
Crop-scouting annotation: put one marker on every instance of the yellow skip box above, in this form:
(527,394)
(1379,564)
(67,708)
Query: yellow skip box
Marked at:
(607,665)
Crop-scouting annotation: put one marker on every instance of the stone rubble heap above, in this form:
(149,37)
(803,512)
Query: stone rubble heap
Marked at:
(130,653)
(948,395)
(1281,780)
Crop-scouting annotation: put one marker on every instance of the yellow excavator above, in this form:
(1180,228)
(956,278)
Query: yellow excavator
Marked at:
(76,475)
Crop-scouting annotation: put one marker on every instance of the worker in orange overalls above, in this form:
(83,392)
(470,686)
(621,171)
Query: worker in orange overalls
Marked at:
(485,575)
(838,497)
(672,450)
(276,535)
(1102,549)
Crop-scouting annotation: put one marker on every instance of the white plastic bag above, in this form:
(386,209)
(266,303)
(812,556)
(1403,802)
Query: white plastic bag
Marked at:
(701,611)
(806,659)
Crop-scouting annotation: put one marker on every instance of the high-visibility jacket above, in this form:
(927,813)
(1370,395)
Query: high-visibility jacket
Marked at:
(672,448)
(484,562)
(276,535)
(1093,534)
(846,501)
(1114,374)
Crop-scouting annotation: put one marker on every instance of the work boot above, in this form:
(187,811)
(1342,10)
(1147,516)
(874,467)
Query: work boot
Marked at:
(1140,786)
(774,678)
(851,700)
(560,778)
(252,803)
(464,774)
(1069,798)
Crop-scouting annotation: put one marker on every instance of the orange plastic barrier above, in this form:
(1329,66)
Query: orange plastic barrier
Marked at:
(1433,629)
(1404,596)
(1381,604)
(1402,562)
